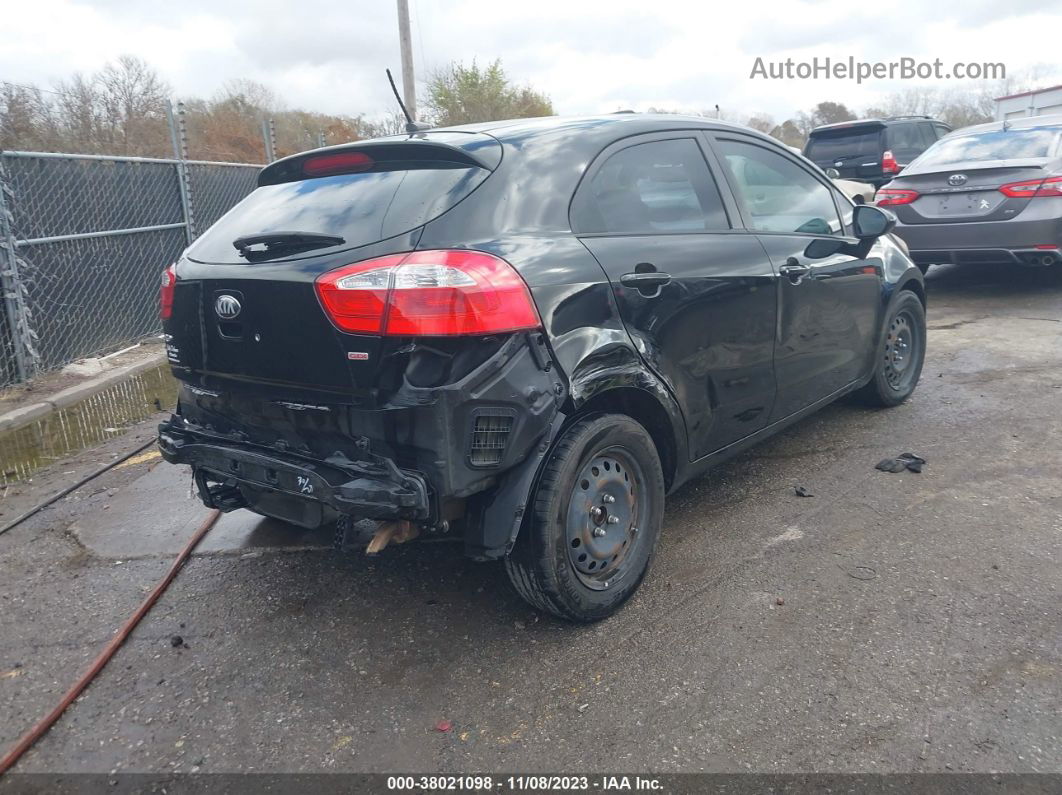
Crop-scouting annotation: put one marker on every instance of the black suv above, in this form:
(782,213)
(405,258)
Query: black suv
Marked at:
(872,150)
(524,333)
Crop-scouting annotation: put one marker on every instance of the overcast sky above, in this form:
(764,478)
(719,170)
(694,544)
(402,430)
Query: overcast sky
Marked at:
(588,55)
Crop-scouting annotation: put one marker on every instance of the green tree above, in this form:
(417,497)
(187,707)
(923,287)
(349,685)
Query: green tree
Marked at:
(830,113)
(789,132)
(462,94)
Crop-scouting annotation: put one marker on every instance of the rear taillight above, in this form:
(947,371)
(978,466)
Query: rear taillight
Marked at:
(888,163)
(428,293)
(1031,188)
(169,281)
(887,197)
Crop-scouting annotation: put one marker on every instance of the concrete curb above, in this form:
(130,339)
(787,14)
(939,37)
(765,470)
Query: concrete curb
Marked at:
(17,418)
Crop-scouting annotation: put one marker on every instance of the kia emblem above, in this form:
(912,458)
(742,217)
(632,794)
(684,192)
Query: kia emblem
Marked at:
(955,180)
(227,306)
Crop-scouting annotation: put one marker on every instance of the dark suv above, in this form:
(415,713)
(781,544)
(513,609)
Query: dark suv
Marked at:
(872,150)
(523,334)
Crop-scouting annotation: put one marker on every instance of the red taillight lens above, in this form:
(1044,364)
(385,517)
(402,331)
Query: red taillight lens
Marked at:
(891,196)
(337,163)
(888,163)
(1052,186)
(428,293)
(169,281)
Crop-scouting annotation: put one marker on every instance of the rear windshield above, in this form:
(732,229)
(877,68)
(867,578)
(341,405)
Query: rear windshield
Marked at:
(844,144)
(360,208)
(995,145)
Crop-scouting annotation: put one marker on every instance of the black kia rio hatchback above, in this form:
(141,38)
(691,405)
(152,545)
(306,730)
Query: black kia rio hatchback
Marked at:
(525,333)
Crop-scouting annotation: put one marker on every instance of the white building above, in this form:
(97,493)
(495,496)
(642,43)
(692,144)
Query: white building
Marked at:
(1039,102)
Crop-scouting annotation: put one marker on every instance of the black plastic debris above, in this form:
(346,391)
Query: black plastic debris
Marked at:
(176,641)
(904,461)
(802,492)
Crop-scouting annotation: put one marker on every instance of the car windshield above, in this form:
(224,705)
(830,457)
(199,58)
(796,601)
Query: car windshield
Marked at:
(841,145)
(995,145)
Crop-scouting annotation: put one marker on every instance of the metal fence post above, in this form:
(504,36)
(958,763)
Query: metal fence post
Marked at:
(14,291)
(179,137)
(269,137)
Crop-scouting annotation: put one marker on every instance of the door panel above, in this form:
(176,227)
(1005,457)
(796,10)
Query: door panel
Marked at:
(828,308)
(709,332)
(697,298)
(827,322)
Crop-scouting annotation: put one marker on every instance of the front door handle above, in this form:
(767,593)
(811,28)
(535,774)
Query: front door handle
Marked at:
(649,282)
(794,271)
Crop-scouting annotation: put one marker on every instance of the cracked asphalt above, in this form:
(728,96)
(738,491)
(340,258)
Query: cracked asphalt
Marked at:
(890,623)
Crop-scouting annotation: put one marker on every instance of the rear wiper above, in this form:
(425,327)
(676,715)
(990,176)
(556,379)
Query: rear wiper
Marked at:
(275,240)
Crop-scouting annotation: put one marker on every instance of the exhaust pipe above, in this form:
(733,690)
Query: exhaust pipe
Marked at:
(1035,259)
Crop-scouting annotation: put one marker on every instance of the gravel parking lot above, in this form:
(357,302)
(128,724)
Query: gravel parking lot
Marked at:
(891,622)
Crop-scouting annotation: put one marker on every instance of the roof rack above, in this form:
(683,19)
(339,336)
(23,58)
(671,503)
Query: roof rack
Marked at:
(911,116)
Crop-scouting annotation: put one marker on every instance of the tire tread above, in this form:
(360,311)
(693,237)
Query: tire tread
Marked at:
(529,560)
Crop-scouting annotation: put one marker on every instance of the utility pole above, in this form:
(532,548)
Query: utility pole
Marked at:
(409,91)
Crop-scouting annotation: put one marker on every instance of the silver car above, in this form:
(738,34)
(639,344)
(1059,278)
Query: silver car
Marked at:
(990,193)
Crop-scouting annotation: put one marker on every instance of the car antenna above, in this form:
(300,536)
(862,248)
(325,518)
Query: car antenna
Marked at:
(411,126)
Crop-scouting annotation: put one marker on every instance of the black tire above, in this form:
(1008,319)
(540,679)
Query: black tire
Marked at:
(544,565)
(901,353)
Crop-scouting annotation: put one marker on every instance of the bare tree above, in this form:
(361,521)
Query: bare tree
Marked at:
(26,118)
(121,110)
(761,121)
(132,100)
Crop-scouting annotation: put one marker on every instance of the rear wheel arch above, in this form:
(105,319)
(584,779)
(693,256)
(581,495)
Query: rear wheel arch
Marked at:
(915,286)
(644,408)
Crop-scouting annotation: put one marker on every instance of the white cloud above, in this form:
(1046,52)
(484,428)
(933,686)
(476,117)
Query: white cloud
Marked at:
(589,56)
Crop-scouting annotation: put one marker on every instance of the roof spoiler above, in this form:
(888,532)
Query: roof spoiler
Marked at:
(386,155)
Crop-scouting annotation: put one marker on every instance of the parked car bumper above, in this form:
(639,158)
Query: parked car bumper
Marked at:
(1021,241)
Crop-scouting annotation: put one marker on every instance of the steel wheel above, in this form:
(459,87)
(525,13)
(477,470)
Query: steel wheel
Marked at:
(898,362)
(597,512)
(603,519)
(900,339)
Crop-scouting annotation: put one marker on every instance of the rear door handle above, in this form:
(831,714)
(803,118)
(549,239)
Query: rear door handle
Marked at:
(793,270)
(645,281)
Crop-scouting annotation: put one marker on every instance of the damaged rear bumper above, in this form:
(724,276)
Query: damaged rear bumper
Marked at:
(303,491)
(428,454)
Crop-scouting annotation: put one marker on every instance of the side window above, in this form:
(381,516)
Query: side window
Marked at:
(904,141)
(941,129)
(660,186)
(776,193)
(929,135)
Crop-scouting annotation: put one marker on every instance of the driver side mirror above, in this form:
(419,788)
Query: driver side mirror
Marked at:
(870,222)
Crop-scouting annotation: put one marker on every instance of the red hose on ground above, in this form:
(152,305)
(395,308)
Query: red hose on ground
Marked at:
(29,738)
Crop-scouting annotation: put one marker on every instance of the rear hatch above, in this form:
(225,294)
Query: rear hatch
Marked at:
(245,309)
(960,178)
(853,149)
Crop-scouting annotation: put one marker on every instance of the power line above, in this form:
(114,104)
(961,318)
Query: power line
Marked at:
(420,36)
(36,88)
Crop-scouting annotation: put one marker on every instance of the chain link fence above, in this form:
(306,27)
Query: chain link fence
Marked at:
(83,241)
